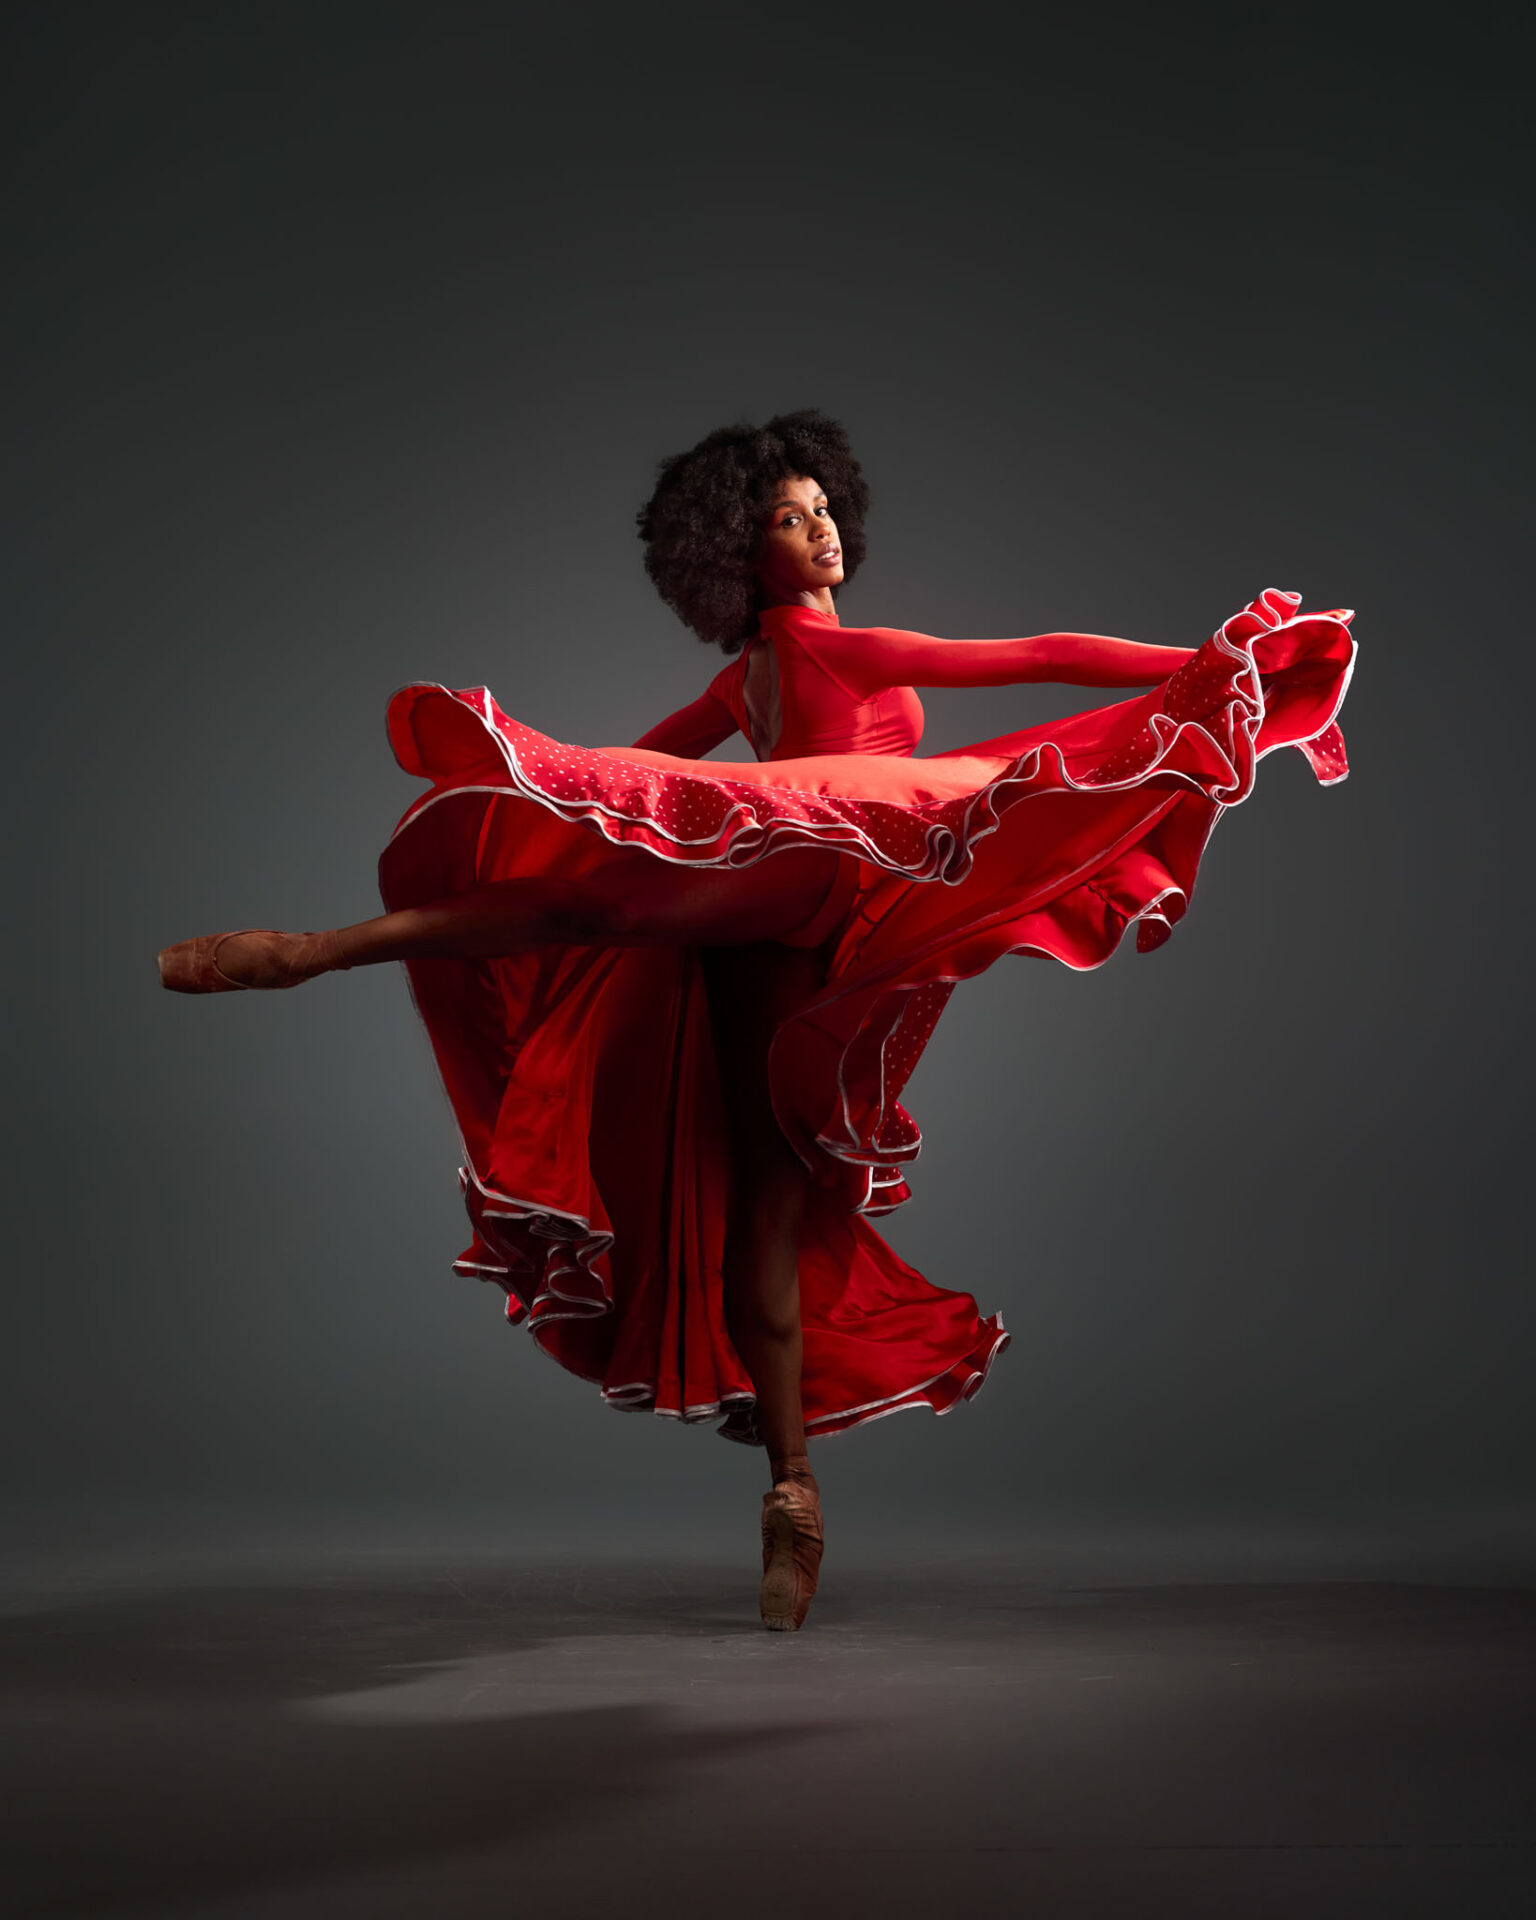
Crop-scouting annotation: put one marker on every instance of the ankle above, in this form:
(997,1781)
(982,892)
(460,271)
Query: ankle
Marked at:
(325,953)
(795,1467)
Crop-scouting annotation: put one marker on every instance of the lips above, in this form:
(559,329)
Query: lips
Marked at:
(827,556)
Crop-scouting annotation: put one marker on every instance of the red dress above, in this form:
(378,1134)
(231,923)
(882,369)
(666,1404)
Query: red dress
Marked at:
(583,1078)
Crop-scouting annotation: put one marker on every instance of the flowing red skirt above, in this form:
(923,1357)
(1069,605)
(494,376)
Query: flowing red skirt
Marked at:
(583,1079)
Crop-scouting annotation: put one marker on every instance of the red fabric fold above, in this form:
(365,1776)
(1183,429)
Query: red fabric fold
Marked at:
(583,1079)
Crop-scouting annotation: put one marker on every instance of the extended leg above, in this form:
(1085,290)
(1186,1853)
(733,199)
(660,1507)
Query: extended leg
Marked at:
(633,899)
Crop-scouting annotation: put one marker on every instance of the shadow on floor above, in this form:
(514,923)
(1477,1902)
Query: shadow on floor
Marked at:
(161,1754)
(392,1743)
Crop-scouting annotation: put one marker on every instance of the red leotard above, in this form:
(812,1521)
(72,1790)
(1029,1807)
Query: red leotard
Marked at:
(844,689)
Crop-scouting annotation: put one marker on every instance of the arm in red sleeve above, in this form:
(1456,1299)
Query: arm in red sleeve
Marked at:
(692,730)
(867,659)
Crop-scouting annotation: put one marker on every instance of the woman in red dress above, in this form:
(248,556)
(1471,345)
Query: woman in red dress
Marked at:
(675,1001)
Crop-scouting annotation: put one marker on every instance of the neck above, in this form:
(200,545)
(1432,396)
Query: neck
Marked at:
(818,599)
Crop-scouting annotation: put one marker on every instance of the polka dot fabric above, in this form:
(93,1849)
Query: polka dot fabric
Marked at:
(920,818)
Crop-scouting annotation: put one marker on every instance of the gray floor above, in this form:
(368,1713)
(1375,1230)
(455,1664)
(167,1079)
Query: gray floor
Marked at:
(478,1739)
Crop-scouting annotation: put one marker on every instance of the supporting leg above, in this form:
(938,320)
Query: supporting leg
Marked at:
(762,1308)
(751,990)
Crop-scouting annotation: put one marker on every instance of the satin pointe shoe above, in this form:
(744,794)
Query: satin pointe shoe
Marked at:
(280,960)
(792,1548)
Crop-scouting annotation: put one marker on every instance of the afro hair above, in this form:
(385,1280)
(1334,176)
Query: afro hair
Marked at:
(702,525)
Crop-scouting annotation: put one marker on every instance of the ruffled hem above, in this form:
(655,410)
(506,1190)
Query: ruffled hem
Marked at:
(1122,800)
(917,818)
(941,1393)
(963,1379)
(570,1287)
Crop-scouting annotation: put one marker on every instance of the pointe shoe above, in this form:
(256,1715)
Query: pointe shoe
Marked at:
(792,1548)
(285,960)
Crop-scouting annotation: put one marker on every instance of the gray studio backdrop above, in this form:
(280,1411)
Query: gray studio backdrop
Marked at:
(345,342)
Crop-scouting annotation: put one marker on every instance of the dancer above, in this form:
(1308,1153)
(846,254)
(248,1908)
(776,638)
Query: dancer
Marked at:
(675,1000)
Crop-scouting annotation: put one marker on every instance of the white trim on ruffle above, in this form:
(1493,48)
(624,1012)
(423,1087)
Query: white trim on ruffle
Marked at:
(947,858)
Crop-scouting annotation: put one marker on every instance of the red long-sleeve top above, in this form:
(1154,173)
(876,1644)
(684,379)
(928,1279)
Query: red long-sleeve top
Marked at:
(810,686)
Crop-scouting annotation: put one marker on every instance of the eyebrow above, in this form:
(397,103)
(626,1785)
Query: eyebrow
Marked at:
(790,503)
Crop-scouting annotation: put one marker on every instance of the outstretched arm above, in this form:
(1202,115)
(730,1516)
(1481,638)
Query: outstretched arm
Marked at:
(692,730)
(867,659)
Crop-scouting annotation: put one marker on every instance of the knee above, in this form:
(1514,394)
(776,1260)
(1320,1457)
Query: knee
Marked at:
(773,1316)
(584,916)
(770,1205)
(762,1280)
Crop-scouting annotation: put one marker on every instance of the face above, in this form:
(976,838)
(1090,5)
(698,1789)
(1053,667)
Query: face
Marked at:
(800,552)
